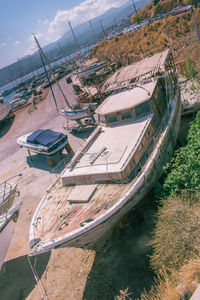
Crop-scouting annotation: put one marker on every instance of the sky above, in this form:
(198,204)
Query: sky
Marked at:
(47,19)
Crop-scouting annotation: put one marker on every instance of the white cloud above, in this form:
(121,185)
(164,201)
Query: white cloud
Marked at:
(3,45)
(43,21)
(85,11)
(33,47)
(16,43)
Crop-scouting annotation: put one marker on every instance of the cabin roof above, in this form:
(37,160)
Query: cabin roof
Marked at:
(140,68)
(126,100)
(118,141)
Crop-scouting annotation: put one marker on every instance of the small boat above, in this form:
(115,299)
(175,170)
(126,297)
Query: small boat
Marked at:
(78,116)
(45,141)
(18,102)
(5,109)
(119,163)
(8,213)
(5,93)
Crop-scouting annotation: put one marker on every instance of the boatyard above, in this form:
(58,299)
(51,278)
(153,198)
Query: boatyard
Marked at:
(70,273)
(99,147)
(68,269)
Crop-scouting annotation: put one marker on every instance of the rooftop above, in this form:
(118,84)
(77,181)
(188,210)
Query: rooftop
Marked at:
(126,100)
(114,144)
(148,64)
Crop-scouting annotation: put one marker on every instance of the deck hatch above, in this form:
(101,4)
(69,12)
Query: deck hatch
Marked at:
(82,193)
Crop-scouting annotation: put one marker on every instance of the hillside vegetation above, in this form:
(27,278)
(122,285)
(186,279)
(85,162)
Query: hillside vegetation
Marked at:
(176,240)
(153,38)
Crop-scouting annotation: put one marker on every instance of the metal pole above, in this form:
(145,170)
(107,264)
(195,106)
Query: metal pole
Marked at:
(74,36)
(93,31)
(48,79)
(135,8)
(168,38)
(81,66)
(102,28)
(47,63)
(195,25)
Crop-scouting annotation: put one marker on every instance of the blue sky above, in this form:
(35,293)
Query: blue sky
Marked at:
(47,19)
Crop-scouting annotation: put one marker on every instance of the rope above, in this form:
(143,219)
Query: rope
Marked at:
(36,277)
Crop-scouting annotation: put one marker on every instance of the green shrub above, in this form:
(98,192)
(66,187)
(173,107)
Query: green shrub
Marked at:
(176,235)
(183,171)
(190,69)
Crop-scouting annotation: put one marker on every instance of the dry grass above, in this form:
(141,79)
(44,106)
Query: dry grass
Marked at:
(134,46)
(176,236)
(163,289)
(189,277)
(179,285)
(124,295)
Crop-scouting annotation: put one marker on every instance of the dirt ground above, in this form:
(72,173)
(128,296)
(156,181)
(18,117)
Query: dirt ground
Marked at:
(69,273)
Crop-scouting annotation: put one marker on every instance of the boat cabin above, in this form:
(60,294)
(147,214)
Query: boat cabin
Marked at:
(117,148)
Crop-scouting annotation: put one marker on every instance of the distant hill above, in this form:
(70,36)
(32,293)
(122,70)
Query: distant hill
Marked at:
(66,44)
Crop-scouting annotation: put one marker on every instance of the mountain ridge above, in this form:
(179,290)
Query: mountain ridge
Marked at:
(66,44)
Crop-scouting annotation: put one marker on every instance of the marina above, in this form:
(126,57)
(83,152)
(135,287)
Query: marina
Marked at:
(46,117)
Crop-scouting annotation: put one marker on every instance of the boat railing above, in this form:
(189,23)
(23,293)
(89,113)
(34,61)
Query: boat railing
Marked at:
(8,190)
(57,170)
(138,168)
(6,205)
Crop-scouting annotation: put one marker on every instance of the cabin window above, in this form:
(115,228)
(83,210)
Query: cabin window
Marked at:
(112,118)
(160,96)
(142,109)
(102,119)
(125,115)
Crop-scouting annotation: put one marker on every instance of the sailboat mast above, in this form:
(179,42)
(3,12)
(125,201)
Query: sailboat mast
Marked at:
(77,43)
(48,80)
(47,63)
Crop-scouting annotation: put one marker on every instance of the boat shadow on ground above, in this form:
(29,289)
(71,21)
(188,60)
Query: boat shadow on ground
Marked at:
(39,161)
(5,126)
(17,280)
(123,263)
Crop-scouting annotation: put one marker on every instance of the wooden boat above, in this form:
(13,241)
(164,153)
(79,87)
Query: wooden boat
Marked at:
(118,165)
(8,213)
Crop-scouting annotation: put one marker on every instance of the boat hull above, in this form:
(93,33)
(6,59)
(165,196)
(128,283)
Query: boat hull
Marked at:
(7,226)
(94,234)
(5,109)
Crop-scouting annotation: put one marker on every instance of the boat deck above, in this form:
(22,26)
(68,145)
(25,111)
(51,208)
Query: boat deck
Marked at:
(109,150)
(59,216)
